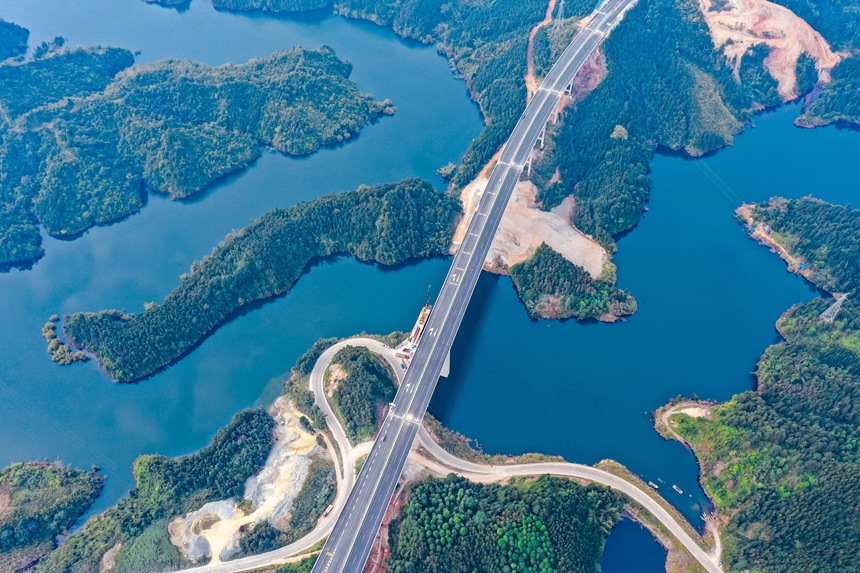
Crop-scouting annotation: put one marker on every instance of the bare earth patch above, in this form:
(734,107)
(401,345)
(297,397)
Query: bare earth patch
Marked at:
(336,373)
(6,509)
(751,22)
(214,529)
(694,412)
(524,227)
(108,562)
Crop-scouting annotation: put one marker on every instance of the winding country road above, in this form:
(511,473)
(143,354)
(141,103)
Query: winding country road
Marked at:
(447,462)
(348,546)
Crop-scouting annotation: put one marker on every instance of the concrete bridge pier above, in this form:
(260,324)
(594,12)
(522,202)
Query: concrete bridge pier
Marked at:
(446,368)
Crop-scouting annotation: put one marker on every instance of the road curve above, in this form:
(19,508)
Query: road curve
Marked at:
(482,472)
(470,470)
(349,544)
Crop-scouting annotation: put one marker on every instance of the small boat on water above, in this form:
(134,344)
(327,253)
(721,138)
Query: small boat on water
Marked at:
(654,485)
(676,488)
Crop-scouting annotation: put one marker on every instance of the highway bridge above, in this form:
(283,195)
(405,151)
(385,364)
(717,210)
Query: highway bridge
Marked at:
(349,544)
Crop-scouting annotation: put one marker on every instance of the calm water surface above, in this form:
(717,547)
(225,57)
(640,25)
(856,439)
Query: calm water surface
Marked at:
(708,300)
(708,295)
(75,414)
(632,549)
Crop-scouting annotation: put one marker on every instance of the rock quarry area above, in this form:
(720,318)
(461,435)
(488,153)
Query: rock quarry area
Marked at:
(214,529)
(738,25)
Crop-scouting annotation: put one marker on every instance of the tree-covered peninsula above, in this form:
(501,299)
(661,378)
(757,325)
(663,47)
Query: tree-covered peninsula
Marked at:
(665,85)
(550,286)
(82,143)
(135,529)
(824,236)
(782,463)
(39,501)
(547,525)
(387,224)
(486,42)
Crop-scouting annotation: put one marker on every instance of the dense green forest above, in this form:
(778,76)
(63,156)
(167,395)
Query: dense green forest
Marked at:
(666,86)
(39,501)
(385,223)
(368,385)
(166,488)
(26,86)
(13,40)
(783,463)
(172,127)
(825,236)
(550,524)
(553,287)
(839,23)
(485,42)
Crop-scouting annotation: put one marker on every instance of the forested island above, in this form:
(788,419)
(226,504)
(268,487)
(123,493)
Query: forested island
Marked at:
(484,41)
(39,501)
(82,143)
(782,463)
(388,224)
(544,525)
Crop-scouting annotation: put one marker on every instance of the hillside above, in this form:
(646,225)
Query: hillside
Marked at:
(172,127)
(388,224)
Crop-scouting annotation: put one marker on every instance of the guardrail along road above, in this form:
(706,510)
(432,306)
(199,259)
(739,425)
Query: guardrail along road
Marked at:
(349,544)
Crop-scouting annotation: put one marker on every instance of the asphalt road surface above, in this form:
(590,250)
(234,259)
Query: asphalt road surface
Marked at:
(349,544)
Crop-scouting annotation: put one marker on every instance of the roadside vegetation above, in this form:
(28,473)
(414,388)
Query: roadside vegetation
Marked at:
(39,501)
(388,224)
(166,488)
(545,525)
(550,286)
(367,387)
(82,143)
(318,491)
(666,86)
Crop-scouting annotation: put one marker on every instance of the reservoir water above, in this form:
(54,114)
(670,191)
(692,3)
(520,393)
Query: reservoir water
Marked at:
(708,295)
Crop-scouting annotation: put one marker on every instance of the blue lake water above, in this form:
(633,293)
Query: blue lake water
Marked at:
(708,295)
(631,548)
(75,414)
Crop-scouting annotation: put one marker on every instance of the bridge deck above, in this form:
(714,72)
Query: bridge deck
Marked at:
(349,544)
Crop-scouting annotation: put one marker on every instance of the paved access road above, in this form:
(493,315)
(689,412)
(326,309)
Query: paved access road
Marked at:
(349,544)
(447,462)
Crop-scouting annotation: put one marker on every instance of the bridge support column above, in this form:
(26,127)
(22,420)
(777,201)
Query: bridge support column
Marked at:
(446,368)
(569,89)
(542,136)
